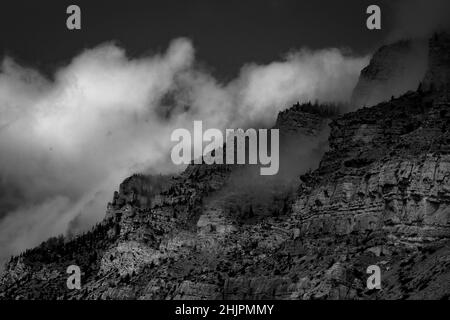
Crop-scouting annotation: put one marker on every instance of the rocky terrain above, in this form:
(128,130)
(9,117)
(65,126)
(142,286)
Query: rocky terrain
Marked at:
(379,195)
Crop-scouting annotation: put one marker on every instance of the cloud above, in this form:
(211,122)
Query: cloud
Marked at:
(67,142)
(324,75)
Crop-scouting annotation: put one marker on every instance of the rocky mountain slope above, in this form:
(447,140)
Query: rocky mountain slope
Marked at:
(393,70)
(379,196)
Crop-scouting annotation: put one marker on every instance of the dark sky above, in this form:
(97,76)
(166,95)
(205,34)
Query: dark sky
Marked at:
(226,33)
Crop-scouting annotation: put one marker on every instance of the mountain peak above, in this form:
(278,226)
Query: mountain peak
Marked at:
(393,70)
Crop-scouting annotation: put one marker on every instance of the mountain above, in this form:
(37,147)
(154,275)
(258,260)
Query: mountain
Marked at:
(393,70)
(370,187)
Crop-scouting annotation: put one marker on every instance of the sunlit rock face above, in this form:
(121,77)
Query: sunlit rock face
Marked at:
(387,170)
(386,178)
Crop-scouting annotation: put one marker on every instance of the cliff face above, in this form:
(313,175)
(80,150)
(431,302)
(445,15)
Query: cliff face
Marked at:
(380,196)
(393,70)
(385,178)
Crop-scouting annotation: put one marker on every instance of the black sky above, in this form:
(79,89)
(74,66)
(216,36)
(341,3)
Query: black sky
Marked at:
(226,33)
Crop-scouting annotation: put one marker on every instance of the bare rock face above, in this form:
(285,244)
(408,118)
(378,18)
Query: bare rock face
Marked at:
(139,190)
(386,170)
(127,258)
(393,70)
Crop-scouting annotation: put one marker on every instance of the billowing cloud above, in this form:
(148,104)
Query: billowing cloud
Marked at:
(67,142)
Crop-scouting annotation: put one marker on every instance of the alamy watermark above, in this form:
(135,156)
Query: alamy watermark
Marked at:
(74,280)
(374,280)
(373,22)
(241,147)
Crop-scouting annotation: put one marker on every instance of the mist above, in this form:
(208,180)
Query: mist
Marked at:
(66,142)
